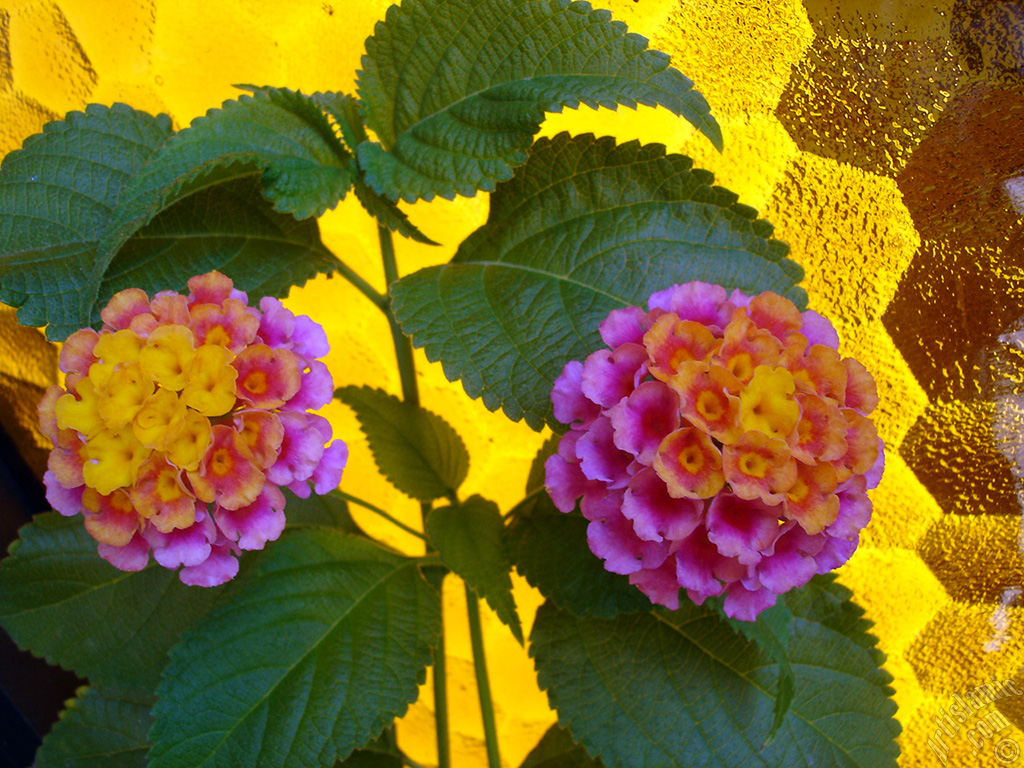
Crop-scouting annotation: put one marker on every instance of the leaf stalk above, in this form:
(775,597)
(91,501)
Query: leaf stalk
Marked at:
(483,684)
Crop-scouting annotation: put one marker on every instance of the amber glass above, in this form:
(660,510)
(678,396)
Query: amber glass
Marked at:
(882,138)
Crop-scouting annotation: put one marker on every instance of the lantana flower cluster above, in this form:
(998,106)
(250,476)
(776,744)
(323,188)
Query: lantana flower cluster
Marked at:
(182,419)
(719,444)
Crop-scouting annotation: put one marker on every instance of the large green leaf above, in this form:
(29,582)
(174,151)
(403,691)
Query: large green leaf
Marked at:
(230,227)
(416,450)
(319,647)
(549,549)
(681,688)
(56,197)
(102,728)
(60,600)
(468,536)
(456,89)
(556,749)
(585,227)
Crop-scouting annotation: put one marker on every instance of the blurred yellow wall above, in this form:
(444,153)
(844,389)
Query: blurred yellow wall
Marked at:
(778,75)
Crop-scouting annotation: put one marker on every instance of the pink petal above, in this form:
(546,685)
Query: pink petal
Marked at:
(256,524)
(741,528)
(219,567)
(655,514)
(644,418)
(67,501)
(659,584)
(315,391)
(327,475)
(599,458)
(700,302)
(818,330)
(185,546)
(744,604)
(614,541)
(610,376)
(133,556)
(567,396)
(623,326)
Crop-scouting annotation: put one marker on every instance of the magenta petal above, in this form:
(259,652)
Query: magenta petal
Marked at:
(219,567)
(327,475)
(788,566)
(874,475)
(184,546)
(309,338)
(614,542)
(704,303)
(696,562)
(277,323)
(623,326)
(254,525)
(567,397)
(835,553)
(654,513)
(854,510)
(818,330)
(315,391)
(610,376)
(565,482)
(599,458)
(133,556)
(744,604)
(741,528)
(644,419)
(599,503)
(301,449)
(659,584)
(67,501)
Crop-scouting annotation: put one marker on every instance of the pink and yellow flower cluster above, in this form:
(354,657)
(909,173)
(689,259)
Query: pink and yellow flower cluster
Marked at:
(182,419)
(719,444)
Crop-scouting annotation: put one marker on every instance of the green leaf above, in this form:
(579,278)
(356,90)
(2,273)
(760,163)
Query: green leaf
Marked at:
(415,449)
(326,511)
(318,648)
(102,728)
(681,688)
(549,549)
(556,749)
(382,752)
(60,600)
(56,198)
(231,228)
(771,633)
(584,228)
(346,113)
(468,536)
(455,89)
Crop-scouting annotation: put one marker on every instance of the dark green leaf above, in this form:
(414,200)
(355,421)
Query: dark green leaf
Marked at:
(468,538)
(102,728)
(60,600)
(681,688)
(382,752)
(327,511)
(771,633)
(455,89)
(56,197)
(231,228)
(318,648)
(415,449)
(584,228)
(556,749)
(550,550)
(346,113)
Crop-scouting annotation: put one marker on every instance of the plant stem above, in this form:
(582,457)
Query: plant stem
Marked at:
(379,300)
(403,346)
(411,395)
(483,685)
(378,511)
(444,752)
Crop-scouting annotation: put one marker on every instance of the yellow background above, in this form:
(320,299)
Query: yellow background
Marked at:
(823,106)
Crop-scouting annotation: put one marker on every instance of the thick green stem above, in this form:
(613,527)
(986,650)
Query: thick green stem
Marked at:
(380,301)
(411,395)
(444,752)
(378,511)
(483,684)
(403,347)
